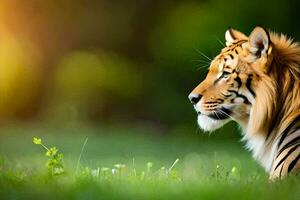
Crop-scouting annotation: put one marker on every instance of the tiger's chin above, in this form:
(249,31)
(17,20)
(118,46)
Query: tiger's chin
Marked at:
(209,124)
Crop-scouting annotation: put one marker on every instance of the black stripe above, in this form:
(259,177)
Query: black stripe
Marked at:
(239,42)
(287,130)
(289,144)
(227,67)
(227,95)
(211,102)
(233,91)
(288,153)
(274,122)
(296,128)
(281,170)
(239,81)
(220,100)
(216,81)
(248,85)
(231,33)
(246,101)
(293,163)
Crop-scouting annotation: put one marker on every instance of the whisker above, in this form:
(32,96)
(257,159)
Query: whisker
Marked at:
(216,114)
(202,67)
(201,61)
(225,113)
(201,53)
(222,43)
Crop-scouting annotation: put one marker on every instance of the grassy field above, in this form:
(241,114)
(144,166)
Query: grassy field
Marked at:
(127,163)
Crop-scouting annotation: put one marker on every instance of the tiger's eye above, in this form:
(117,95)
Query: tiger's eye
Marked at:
(225,74)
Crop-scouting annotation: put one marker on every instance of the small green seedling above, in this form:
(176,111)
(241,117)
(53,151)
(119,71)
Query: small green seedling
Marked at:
(55,160)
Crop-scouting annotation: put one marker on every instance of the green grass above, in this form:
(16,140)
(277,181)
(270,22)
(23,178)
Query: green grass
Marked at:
(209,167)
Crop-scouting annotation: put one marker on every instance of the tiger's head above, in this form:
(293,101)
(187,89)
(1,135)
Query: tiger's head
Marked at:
(230,87)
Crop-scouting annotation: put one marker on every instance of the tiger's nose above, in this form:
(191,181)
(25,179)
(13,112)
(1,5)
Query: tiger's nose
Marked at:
(195,98)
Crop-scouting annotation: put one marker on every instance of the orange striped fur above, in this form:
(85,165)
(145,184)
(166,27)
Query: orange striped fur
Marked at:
(255,81)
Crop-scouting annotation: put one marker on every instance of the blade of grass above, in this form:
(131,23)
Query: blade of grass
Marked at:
(175,162)
(80,155)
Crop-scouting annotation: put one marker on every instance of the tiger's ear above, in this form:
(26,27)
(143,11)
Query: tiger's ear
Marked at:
(259,41)
(231,35)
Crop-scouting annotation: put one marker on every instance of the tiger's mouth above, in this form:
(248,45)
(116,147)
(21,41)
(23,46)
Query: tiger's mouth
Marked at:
(218,114)
(213,120)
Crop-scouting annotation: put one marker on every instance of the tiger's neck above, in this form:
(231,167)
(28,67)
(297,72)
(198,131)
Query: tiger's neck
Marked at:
(262,150)
(265,147)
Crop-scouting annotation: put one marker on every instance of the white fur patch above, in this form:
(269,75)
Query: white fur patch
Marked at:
(228,37)
(208,124)
(262,153)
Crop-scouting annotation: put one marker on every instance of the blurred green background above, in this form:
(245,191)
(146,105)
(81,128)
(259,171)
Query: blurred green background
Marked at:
(118,62)
(119,73)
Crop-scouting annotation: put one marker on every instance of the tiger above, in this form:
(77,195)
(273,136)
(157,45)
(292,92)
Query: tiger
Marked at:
(255,81)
